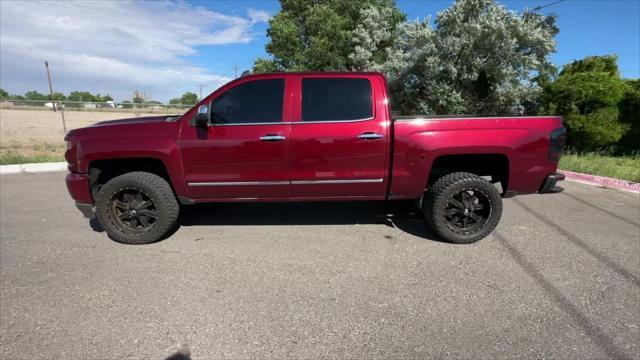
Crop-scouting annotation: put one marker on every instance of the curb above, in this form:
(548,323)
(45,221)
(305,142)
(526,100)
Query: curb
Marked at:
(607,182)
(33,168)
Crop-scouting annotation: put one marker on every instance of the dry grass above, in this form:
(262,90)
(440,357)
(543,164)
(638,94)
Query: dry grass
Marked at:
(38,136)
(23,154)
(35,127)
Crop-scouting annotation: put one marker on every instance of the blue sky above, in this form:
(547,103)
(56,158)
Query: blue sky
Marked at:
(166,48)
(587,27)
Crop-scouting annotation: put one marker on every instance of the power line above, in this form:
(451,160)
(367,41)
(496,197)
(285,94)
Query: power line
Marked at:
(544,6)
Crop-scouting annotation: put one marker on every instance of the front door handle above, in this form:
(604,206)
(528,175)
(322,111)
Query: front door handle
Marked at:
(272,137)
(370,136)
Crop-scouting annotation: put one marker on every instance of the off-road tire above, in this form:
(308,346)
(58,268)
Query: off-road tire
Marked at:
(439,194)
(153,188)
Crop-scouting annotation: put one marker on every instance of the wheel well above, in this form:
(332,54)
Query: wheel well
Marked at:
(494,165)
(101,171)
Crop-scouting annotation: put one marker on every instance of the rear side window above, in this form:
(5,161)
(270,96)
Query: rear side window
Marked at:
(258,101)
(336,99)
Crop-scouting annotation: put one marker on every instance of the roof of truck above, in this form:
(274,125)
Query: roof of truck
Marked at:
(351,73)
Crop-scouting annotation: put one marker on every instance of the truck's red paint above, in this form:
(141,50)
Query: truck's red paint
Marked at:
(316,160)
(523,140)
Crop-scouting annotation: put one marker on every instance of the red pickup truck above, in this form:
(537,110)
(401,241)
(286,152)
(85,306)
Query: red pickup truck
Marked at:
(305,137)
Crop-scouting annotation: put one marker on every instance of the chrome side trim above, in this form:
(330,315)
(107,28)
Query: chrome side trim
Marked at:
(259,123)
(330,121)
(295,182)
(238,183)
(294,122)
(319,182)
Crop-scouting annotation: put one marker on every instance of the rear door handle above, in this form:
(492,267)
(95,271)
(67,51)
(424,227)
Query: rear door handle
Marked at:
(370,136)
(272,137)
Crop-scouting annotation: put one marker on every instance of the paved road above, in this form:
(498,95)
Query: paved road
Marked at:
(560,278)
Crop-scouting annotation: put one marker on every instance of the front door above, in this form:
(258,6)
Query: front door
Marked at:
(340,142)
(244,153)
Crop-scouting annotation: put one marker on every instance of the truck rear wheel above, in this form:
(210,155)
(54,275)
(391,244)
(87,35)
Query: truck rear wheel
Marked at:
(137,208)
(462,207)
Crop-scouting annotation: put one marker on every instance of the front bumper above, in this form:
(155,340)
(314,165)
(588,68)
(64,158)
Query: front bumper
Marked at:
(78,186)
(88,210)
(549,185)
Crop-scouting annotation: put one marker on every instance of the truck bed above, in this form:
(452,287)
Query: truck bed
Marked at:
(521,141)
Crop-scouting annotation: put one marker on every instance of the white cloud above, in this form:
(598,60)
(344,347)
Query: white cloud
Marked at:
(113,47)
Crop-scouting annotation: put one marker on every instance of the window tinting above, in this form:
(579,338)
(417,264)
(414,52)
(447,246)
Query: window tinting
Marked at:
(257,101)
(336,99)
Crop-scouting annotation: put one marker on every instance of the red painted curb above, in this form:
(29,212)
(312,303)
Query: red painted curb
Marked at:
(602,181)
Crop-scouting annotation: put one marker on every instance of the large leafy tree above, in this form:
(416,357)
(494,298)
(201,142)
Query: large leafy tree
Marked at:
(629,108)
(479,58)
(189,98)
(588,93)
(81,96)
(317,34)
(34,95)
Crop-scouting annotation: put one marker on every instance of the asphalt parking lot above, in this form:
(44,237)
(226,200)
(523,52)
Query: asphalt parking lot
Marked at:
(559,278)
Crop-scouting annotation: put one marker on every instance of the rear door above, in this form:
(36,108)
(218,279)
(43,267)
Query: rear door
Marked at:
(339,137)
(244,153)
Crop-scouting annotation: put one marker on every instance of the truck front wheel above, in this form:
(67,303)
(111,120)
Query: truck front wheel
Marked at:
(137,208)
(462,207)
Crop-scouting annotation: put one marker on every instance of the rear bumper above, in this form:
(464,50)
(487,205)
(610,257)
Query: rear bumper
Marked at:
(549,185)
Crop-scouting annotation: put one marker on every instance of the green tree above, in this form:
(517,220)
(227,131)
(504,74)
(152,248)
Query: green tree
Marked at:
(588,93)
(35,98)
(175,101)
(34,95)
(139,97)
(102,98)
(3,94)
(478,58)
(81,96)
(629,108)
(189,98)
(57,97)
(316,34)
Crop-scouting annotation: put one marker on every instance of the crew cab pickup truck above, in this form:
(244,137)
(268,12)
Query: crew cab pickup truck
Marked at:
(307,137)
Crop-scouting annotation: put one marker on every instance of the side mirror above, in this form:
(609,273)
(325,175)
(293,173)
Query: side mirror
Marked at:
(203,117)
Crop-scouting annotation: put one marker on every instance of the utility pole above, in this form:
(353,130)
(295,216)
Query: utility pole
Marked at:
(64,124)
(235,69)
(200,86)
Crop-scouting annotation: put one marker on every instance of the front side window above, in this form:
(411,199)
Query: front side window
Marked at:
(334,99)
(258,101)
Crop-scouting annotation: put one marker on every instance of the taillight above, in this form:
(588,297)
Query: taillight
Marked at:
(558,140)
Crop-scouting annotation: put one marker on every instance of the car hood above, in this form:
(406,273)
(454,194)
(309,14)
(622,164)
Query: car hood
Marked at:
(122,126)
(135,120)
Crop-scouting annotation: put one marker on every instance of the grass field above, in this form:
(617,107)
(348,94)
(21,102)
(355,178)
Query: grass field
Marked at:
(619,167)
(23,154)
(37,135)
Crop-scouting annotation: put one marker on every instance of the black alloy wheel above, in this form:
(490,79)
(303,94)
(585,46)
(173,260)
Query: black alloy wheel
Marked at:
(462,207)
(137,208)
(467,211)
(132,210)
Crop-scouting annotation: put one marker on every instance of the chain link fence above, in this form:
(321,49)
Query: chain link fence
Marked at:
(124,106)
